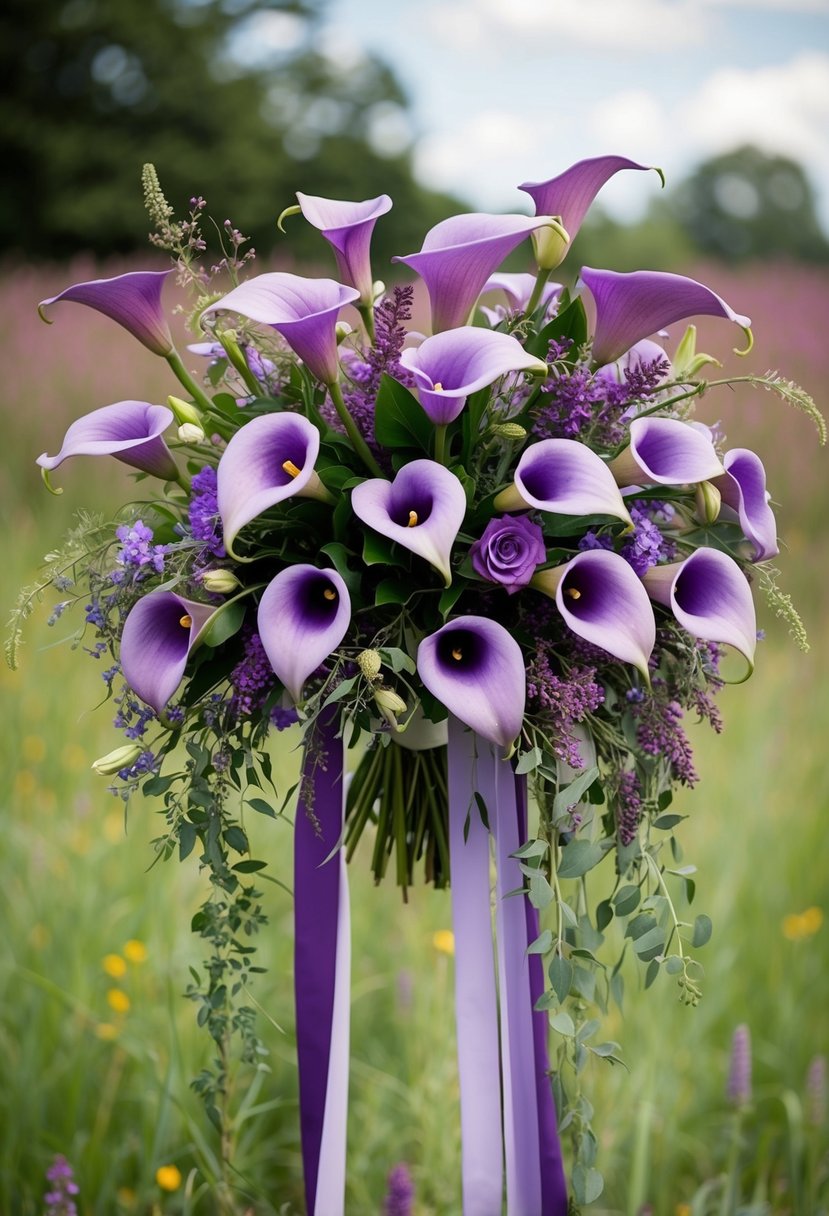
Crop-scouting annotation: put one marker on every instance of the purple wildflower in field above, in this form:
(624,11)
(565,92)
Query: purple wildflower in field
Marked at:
(659,733)
(59,1199)
(252,678)
(205,523)
(137,549)
(816,1092)
(400,1192)
(738,1090)
(628,807)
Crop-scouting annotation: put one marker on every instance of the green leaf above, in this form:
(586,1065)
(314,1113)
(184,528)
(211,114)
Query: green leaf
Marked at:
(560,972)
(652,972)
(626,900)
(604,914)
(529,761)
(542,943)
(379,550)
(222,625)
(399,419)
(563,1023)
(571,322)
(673,964)
(391,592)
(261,807)
(573,793)
(249,867)
(450,596)
(668,821)
(703,928)
(650,944)
(398,660)
(540,893)
(235,837)
(578,857)
(588,1183)
(533,848)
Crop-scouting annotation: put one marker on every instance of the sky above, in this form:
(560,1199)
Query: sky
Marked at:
(507,91)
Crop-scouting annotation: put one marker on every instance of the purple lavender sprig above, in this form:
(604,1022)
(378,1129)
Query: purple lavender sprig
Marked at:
(400,1192)
(59,1199)
(738,1089)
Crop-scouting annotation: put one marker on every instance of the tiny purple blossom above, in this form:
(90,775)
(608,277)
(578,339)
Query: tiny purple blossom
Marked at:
(132,300)
(131,431)
(348,228)
(509,551)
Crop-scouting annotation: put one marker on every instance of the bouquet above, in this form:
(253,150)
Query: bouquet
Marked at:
(499,565)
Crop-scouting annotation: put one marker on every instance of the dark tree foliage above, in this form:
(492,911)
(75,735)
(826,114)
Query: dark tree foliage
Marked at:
(94,88)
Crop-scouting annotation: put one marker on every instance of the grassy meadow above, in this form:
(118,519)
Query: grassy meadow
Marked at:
(97,1043)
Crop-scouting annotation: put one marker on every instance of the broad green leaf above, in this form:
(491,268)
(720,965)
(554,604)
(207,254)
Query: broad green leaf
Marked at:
(563,1023)
(626,900)
(560,972)
(572,794)
(703,929)
(588,1183)
(399,418)
(578,857)
(542,943)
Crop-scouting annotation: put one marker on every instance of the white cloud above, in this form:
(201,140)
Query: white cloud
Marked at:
(787,6)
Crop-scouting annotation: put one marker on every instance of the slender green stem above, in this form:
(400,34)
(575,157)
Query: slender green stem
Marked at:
(366,311)
(180,371)
(730,1195)
(358,443)
(533,302)
(440,444)
(236,356)
(660,878)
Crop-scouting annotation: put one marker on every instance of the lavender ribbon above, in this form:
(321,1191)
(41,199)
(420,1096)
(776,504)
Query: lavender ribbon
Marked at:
(322,961)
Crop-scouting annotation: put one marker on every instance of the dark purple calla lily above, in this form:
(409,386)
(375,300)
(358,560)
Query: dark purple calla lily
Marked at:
(743,489)
(450,366)
(710,597)
(302,618)
(132,300)
(636,305)
(569,196)
(158,635)
(565,477)
(348,228)
(303,311)
(518,288)
(476,669)
(422,509)
(666,452)
(269,459)
(459,255)
(603,601)
(128,430)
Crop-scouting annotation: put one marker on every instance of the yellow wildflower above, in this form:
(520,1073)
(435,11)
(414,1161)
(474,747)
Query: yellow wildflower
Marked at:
(126,1197)
(25,783)
(682,1209)
(33,749)
(114,965)
(135,951)
(106,1031)
(798,925)
(118,1000)
(444,941)
(168,1177)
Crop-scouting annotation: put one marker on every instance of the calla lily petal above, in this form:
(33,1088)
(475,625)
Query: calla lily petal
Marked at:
(128,430)
(743,488)
(645,351)
(303,617)
(158,635)
(132,300)
(667,452)
(269,459)
(518,289)
(450,366)
(636,305)
(348,227)
(459,255)
(603,601)
(710,597)
(565,477)
(476,669)
(422,509)
(303,311)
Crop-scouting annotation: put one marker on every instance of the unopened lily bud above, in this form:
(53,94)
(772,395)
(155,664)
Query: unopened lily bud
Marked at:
(184,411)
(114,761)
(388,700)
(550,244)
(686,361)
(510,430)
(369,663)
(708,502)
(378,289)
(188,432)
(342,329)
(220,582)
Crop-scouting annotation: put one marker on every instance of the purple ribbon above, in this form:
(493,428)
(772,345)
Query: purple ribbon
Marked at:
(322,959)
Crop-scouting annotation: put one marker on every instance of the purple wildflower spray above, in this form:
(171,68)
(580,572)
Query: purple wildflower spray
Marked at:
(60,1198)
(739,1075)
(400,1192)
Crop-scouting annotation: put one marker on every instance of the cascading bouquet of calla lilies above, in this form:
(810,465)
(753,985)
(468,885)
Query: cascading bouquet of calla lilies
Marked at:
(498,560)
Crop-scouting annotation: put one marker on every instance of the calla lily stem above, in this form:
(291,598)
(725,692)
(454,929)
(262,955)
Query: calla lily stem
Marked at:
(358,443)
(535,297)
(366,311)
(440,444)
(181,373)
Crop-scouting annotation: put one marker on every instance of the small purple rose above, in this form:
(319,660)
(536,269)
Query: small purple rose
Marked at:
(509,551)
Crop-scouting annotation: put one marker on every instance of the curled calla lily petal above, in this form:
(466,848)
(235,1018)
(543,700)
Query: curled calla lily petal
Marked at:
(158,635)
(132,300)
(743,488)
(459,255)
(603,601)
(476,669)
(569,196)
(348,227)
(710,597)
(565,477)
(667,452)
(518,289)
(128,430)
(422,509)
(303,311)
(635,305)
(450,366)
(269,459)
(303,617)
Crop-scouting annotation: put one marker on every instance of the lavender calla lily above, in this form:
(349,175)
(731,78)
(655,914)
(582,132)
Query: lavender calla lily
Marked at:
(565,477)
(269,459)
(569,196)
(348,228)
(710,597)
(518,288)
(128,430)
(158,636)
(635,305)
(422,509)
(459,255)
(603,601)
(132,300)
(476,669)
(743,489)
(303,311)
(666,452)
(303,617)
(450,366)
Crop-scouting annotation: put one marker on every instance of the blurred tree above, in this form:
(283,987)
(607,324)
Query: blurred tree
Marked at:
(241,101)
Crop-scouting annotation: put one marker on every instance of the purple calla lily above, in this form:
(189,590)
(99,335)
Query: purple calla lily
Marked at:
(348,228)
(518,288)
(303,311)
(569,196)
(132,300)
(269,459)
(743,489)
(450,366)
(476,669)
(302,618)
(667,452)
(603,601)
(636,305)
(422,509)
(565,477)
(158,635)
(128,430)
(459,255)
(710,597)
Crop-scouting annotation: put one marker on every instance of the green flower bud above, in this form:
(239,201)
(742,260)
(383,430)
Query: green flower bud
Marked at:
(188,432)
(114,761)
(388,701)
(342,329)
(687,363)
(708,502)
(369,663)
(221,582)
(510,430)
(550,244)
(184,411)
